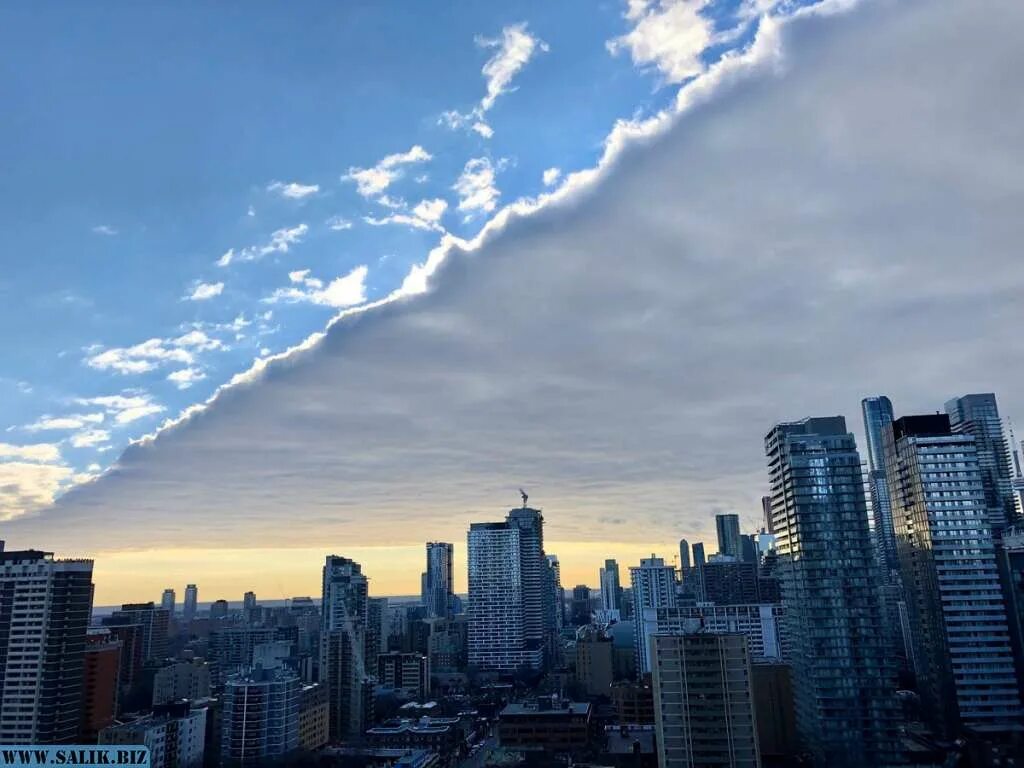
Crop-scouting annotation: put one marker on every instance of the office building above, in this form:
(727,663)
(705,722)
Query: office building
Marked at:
(961,639)
(698,554)
(728,581)
(344,612)
(878,415)
(100,683)
(728,529)
(843,678)
(182,680)
(167,601)
(761,624)
(406,673)
(977,415)
(508,628)
(654,586)
(580,606)
(611,587)
(594,662)
(546,724)
(175,734)
(703,701)
(44,613)
(154,622)
(188,611)
(439,579)
(260,716)
(230,649)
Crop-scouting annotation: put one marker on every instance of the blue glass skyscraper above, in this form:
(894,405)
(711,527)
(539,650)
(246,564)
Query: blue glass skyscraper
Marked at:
(877,418)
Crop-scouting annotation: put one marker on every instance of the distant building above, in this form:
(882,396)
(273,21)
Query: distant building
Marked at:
(130,637)
(954,599)
(230,649)
(343,645)
(878,416)
(654,586)
(684,555)
(728,529)
(100,684)
(728,581)
(407,673)
(167,601)
(154,622)
(439,580)
(545,724)
(581,608)
(843,674)
(174,733)
(181,680)
(219,610)
(594,663)
(248,603)
(42,654)
(703,701)
(611,587)
(698,554)
(188,611)
(260,716)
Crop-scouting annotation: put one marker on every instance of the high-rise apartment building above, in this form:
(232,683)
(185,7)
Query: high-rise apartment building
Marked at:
(439,579)
(181,680)
(654,586)
(343,644)
(684,556)
(728,529)
(727,581)
(698,554)
(44,614)
(581,609)
(248,603)
(188,611)
(167,600)
(408,673)
(703,701)
(511,611)
(260,716)
(843,679)
(100,683)
(977,415)
(958,624)
(611,587)
(760,623)
(878,417)
(557,593)
(154,622)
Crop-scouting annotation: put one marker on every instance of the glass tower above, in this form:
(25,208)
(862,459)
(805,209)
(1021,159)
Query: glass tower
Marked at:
(877,418)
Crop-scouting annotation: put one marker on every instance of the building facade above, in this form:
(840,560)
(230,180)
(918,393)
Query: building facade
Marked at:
(439,580)
(174,733)
(343,644)
(611,586)
(654,586)
(728,529)
(260,716)
(760,623)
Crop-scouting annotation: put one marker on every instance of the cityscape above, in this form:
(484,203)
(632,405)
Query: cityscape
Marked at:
(875,618)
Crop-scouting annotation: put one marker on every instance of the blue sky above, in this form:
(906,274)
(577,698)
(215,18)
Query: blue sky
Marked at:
(195,187)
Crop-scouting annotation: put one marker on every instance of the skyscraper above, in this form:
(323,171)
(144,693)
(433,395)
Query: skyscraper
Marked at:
(962,654)
(188,611)
(167,600)
(611,589)
(260,716)
(703,701)
(44,614)
(698,554)
(343,644)
(511,610)
(684,556)
(877,413)
(154,622)
(978,415)
(728,529)
(438,580)
(843,680)
(654,586)
(248,603)
(557,593)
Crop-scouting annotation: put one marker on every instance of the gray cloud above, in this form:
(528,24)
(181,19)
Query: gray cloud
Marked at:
(843,224)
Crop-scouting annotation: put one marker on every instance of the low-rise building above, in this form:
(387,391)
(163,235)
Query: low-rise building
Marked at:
(175,734)
(546,724)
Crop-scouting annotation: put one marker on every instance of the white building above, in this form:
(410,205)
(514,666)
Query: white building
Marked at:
(174,733)
(654,586)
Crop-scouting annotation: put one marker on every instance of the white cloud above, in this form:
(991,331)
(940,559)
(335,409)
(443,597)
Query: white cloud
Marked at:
(371,182)
(71,421)
(104,229)
(339,223)
(37,452)
(476,186)
(186,377)
(251,211)
(430,210)
(293,190)
(347,291)
(90,438)
(280,241)
(513,50)
(551,176)
(26,486)
(124,408)
(204,291)
(668,35)
(154,353)
(425,215)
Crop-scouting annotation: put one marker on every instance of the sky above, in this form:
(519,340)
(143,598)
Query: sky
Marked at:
(283,282)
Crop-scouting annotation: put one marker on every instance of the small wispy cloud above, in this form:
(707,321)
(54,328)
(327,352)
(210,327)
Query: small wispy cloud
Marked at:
(153,353)
(339,223)
(425,215)
(104,229)
(36,452)
(371,182)
(186,377)
(551,176)
(66,422)
(514,48)
(347,291)
(293,190)
(90,438)
(124,408)
(281,241)
(204,291)
(476,186)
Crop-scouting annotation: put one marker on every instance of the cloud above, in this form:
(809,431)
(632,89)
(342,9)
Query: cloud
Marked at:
(251,211)
(71,421)
(104,229)
(476,186)
(36,452)
(204,291)
(125,408)
(347,291)
(281,241)
(628,342)
(425,215)
(90,438)
(513,49)
(185,377)
(668,36)
(153,353)
(371,182)
(551,176)
(339,223)
(293,190)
